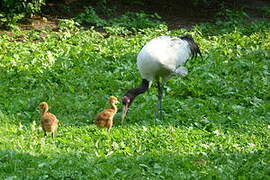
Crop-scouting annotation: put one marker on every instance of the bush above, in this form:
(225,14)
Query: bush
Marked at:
(265,11)
(132,20)
(66,24)
(90,17)
(14,10)
(28,7)
(125,24)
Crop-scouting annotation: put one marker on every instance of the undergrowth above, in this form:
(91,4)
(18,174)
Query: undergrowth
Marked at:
(216,122)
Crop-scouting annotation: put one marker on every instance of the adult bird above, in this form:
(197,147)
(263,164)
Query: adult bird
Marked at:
(158,60)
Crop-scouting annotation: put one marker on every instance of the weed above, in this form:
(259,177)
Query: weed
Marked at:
(265,11)
(90,17)
(216,119)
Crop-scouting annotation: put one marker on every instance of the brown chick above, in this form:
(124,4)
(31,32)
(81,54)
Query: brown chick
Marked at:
(49,122)
(105,118)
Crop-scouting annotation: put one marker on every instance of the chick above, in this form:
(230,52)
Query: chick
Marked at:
(49,122)
(105,118)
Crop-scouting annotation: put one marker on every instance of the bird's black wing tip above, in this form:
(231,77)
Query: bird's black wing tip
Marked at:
(185,36)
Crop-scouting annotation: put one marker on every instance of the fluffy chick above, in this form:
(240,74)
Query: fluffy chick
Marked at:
(49,122)
(104,119)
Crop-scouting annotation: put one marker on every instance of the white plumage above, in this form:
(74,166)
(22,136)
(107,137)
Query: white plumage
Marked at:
(159,59)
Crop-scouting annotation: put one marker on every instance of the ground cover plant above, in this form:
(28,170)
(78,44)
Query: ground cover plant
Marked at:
(216,122)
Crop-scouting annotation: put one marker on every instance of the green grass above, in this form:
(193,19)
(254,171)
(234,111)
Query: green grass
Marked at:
(216,122)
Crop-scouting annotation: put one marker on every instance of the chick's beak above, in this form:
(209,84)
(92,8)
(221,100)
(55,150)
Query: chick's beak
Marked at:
(124,112)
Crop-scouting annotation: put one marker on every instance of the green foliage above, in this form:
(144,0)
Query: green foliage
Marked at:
(9,21)
(232,16)
(25,6)
(90,17)
(117,30)
(134,21)
(68,25)
(14,10)
(216,122)
(265,11)
(123,25)
(230,21)
(105,9)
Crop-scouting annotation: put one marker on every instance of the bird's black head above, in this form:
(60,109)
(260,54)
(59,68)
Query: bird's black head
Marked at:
(126,101)
(131,94)
(194,48)
(187,37)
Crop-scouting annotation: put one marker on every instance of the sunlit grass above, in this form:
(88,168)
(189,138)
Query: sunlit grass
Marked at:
(216,119)
(134,151)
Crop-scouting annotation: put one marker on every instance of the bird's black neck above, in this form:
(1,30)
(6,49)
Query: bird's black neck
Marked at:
(132,93)
(194,48)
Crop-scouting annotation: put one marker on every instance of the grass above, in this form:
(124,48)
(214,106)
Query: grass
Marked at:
(216,122)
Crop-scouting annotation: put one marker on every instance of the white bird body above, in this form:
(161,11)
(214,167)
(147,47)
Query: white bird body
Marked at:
(159,59)
(162,56)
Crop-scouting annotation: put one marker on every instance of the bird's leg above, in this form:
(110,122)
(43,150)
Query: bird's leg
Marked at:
(54,134)
(160,95)
(45,134)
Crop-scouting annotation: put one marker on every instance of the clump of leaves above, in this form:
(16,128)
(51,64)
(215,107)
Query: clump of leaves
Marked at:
(134,20)
(117,30)
(90,18)
(233,21)
(123,25)
(68,24)
(9,21)
(265,11)
(12,11)
(103,7)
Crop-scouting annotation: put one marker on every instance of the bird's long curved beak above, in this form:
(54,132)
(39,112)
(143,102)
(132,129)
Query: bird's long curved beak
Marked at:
(124,112)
